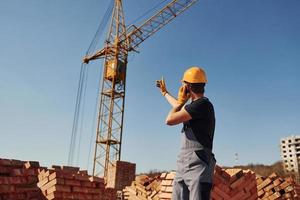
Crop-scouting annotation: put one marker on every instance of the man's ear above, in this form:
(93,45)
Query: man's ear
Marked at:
(188,88)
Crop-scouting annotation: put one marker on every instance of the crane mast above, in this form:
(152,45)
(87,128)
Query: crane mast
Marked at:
(120,41)
(112,96)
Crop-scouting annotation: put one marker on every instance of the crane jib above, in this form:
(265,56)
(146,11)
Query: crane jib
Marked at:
(136,35)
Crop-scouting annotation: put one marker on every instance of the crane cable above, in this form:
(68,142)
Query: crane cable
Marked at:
(147,12)
(94,124)
(76,114)
(81,91)
(100,29)
(84,86)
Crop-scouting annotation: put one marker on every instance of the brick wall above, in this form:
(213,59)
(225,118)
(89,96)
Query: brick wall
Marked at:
(275,187)
(62,182)
(233,184)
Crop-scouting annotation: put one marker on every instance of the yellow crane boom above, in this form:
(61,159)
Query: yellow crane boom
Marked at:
(136,35)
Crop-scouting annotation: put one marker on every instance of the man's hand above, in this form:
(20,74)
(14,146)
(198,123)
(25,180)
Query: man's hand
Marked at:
(162,86)
(183,95)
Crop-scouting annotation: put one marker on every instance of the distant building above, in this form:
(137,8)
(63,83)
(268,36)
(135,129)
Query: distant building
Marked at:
(290,153)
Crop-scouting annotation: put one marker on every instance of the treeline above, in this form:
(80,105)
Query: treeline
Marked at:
(259,169)
(152,173)
(265,170)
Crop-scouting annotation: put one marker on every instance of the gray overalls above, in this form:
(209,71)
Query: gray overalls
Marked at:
(195,168)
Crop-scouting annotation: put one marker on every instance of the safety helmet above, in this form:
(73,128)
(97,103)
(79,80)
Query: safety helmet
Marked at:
(194,75)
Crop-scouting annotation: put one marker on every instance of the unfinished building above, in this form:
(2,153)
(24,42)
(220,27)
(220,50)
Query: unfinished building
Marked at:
(290,153)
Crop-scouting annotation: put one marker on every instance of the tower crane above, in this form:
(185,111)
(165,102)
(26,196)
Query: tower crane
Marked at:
(120,41)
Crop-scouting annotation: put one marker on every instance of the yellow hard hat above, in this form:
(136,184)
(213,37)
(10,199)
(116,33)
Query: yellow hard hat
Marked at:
(194,75)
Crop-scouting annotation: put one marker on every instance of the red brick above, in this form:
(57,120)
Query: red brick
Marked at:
(41,174)
(82,196)
(6,188)
(31,172)
(5,162)
(27,188)
(13,180)
(72,182)
(5,170)
(253,197)
(57,181)
(16,172)
(95,190)
(43,182)
(224,188)
(53,195)
(14,196)
(17,163)
(84,172)
(254,190)
(56,167)
(88,184)
(239,196)
(277,182)
(82,177)
(63,195)
(32,179)
(266,182)
(163,175)
(59,188)
(166,182)
(42,169)
(96,179)
(166,195)
(70,169)
(99,197)
(226,176)
(221,193)
(60,174)
(215,196)
(54,175)
(33,164)
(80,189)
(217,179)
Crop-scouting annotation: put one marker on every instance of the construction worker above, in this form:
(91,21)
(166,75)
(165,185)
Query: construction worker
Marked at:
(196,162)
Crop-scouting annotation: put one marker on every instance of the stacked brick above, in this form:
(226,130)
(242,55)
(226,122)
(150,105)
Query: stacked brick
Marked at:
(120,174)
(18,180)
(143,188)
(229,184)
(275,187)
(70,183)
(297,190)
(234,184)
(166,185)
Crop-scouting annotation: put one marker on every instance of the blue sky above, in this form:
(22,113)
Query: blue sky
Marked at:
(249,49)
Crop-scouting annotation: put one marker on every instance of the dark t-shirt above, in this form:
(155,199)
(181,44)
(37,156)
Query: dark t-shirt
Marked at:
(203,121)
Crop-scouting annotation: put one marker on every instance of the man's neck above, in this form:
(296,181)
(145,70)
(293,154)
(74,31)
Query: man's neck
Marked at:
(195,96)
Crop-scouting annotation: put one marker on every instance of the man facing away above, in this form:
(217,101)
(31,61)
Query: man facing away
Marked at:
(196,162)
